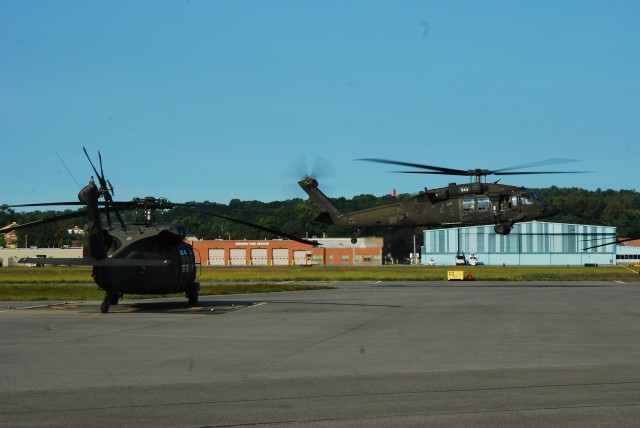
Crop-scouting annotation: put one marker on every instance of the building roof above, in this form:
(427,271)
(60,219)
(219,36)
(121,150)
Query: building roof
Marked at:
(363,242)
(632,243)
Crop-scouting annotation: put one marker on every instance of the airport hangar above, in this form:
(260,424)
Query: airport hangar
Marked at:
(529,244)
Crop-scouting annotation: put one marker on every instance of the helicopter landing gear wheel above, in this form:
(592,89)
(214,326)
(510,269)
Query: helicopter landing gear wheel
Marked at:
(113,298)
(355,234)
(104,307)
(502,228)
(192,294)
(109,299)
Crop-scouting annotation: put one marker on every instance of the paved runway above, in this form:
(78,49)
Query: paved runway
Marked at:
(364,354)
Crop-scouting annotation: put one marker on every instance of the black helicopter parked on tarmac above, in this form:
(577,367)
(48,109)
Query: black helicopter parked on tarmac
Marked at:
(145,257)
(471,204)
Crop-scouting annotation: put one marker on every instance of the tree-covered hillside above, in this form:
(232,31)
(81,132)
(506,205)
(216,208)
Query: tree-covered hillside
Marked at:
(600,207)
(619,208)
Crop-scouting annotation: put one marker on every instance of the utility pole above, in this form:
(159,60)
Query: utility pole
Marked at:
(415,256)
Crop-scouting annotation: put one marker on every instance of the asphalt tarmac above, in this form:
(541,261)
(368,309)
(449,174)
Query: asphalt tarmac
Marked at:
(364,354)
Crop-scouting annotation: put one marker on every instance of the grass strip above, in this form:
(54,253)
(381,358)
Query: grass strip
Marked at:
(265,274)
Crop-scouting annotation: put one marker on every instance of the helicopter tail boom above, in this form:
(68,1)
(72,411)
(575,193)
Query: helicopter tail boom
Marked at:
(328,213)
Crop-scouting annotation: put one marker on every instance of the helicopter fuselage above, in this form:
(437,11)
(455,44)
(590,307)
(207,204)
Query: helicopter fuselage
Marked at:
(455,205)
(138,258)
(166,264)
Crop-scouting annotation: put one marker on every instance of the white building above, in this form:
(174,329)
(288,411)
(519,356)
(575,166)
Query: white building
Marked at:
(528,244)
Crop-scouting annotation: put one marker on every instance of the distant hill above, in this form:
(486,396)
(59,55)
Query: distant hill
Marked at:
(619,208)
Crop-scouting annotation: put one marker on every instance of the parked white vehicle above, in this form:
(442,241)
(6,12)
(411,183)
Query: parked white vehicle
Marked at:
(473,259)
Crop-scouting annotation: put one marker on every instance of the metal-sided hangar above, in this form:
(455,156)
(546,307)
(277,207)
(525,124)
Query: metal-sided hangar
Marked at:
(528,244)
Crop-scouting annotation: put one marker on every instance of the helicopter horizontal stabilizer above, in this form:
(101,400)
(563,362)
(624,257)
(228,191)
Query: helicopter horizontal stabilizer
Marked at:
(90,261)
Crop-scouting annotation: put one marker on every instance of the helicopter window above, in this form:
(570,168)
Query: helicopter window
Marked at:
(526,199)
(537,197)
(468,205)
(504,203)
(484,204)
(514,201)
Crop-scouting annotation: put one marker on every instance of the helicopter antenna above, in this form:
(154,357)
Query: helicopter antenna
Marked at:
(65,167)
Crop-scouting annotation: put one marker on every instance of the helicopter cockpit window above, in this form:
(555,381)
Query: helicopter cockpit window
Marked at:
(526,199)
(468,204)
(537,197)
(484,204)
(514,201)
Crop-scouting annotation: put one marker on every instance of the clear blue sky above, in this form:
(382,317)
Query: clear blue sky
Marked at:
(213,100)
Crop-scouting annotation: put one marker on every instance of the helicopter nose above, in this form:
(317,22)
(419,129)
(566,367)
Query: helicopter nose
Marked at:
(548,210)
(552,210)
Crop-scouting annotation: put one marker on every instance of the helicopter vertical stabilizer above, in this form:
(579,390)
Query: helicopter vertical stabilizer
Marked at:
(89,196)
(328,213)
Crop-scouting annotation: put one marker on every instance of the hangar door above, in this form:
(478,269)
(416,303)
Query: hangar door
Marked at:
(300,257)
(258,256)
(238,257)
(216,257)
(280,257)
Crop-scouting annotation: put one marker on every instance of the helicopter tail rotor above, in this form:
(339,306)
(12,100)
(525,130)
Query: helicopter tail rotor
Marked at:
(303,167)
(106,190)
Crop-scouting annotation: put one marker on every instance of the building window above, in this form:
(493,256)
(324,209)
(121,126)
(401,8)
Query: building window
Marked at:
(345,257)
(367,258)
(357,258)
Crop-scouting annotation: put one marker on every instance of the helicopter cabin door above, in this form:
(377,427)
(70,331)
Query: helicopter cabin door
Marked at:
(515,202)
(509,203)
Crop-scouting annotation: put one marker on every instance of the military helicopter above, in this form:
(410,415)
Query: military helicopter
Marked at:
(144,257)
(471,204)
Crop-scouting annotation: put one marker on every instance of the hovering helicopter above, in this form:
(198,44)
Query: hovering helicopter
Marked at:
(144,257)
(471,204)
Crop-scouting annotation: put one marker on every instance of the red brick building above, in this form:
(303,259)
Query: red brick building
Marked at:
(332,251)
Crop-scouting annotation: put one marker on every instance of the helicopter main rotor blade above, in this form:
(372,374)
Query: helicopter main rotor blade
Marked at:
(553,161)
(616,242)
(91,162)
(77,214)
(442,170)
(538,172)
(246,223)
(43,204)
(478,171)
(90,261)
(268,229)
(426,172)
(44,221)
